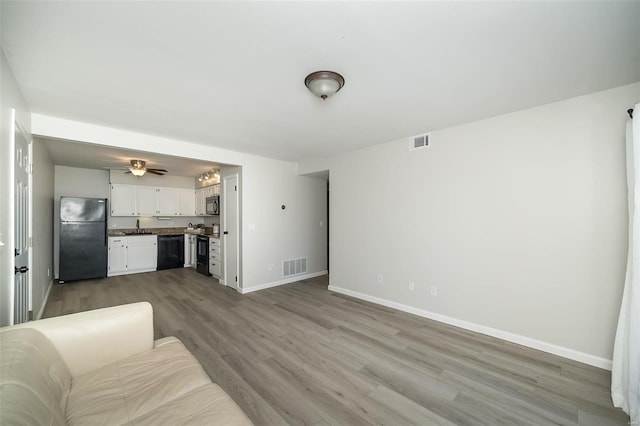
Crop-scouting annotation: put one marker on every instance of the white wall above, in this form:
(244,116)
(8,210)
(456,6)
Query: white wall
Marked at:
(10,98)
(266,184)
(519,220)
(42,269)
(271,234)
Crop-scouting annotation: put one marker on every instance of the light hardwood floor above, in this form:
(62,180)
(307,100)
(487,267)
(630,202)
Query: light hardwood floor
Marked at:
(300,354)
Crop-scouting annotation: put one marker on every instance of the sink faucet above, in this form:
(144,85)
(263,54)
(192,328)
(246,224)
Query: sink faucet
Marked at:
(138,226)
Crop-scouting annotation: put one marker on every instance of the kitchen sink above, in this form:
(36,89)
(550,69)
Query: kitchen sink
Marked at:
(138,233)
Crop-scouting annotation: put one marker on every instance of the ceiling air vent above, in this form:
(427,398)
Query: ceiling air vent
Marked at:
(419,142)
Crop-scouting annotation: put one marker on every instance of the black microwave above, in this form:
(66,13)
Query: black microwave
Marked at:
(212,205)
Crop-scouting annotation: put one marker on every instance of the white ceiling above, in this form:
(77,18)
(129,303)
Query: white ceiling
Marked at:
(230,74)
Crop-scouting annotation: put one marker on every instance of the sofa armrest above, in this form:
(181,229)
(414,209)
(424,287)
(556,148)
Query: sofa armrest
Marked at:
(92,339)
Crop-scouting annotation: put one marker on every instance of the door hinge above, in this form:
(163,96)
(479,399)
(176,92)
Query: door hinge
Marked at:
(236,278)
(235,187)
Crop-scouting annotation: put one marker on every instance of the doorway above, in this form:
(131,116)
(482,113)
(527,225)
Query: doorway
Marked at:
(231,231)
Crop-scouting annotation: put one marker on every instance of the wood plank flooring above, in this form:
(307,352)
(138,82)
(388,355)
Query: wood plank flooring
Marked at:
(302,355)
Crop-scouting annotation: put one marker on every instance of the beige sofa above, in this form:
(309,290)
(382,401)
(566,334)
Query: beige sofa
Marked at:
(103,367)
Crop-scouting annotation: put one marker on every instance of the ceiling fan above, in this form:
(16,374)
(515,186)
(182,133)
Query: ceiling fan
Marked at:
(139,168)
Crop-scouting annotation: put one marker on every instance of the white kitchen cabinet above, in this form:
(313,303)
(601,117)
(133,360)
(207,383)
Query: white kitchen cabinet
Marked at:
(186,202)
(167,201)
(200,202)
(190,259)
(142,253)
(124,200)
(132,254)
(215,258)
(141,200)
(117,256)
(147,200)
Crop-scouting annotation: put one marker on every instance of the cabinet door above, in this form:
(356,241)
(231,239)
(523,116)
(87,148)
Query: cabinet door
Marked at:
(117,257)
(199,202)
(142,253)
(123,200)
(168,201)
(192,251)
(186,202)
(147,201)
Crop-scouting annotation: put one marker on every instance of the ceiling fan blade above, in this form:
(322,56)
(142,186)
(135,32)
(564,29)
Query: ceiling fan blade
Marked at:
(157,170)
(153,171)
(127,172)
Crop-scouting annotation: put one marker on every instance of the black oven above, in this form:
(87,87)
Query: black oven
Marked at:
(202,254)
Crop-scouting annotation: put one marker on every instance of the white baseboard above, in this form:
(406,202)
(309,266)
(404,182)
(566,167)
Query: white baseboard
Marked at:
(500,334)
(283,282)
(44,302)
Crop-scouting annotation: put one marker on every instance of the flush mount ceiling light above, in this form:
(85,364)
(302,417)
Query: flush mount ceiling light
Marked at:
(324,83)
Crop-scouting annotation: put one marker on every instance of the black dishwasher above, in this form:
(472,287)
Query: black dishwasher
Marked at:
(170,251)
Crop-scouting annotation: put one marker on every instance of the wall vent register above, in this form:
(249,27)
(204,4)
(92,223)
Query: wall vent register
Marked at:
(294,266)
(419,142)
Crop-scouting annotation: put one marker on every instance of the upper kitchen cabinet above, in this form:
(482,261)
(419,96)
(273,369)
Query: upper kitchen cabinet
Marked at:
(124,200)
(167,201)
(140,200)
(186,202)
(147,200)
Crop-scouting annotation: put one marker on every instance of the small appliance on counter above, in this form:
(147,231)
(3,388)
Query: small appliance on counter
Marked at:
(216,230)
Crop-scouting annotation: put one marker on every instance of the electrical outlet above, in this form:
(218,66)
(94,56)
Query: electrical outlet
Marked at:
(412,286)
(380,279)
(434,290)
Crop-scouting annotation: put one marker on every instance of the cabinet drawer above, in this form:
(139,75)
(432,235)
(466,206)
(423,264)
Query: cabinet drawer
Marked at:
(214,249)
(214,242)
(214,268)
(215,257)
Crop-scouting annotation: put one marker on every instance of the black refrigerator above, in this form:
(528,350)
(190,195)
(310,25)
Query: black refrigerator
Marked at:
(83,238)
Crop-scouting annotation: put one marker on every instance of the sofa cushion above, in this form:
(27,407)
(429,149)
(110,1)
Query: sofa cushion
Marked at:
(128,389)
(207,405)
(34,381)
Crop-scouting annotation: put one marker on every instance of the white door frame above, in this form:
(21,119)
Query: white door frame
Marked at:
(229,276)
(16,127)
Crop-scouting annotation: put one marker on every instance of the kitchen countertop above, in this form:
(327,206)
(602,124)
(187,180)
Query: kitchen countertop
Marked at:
(131,232)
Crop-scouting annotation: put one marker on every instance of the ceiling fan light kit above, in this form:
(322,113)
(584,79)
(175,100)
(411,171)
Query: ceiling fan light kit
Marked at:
(138,168)
(324,83)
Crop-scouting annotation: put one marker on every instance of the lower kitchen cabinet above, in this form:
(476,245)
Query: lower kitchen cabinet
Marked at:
(132,254)
(190,258)
(215,258)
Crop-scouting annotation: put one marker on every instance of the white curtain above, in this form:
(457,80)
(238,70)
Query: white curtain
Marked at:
(625,373)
